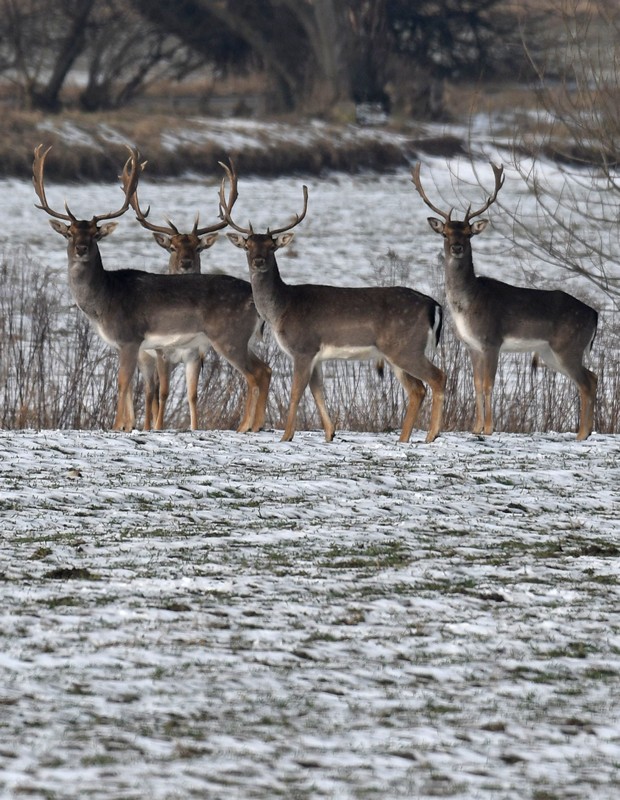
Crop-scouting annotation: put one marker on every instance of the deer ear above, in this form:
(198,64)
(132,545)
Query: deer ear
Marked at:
(283,239)
(237,239)
(479,226)
(436,224)
(162,240)
(207,241)
(60,228)
(106,230)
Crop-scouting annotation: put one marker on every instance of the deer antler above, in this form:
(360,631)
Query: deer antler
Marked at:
(225,208)
(232,199)
(298,217)
(415,178)
(141,216)
(499,182)
(131,175)
(38,166)
(171,229)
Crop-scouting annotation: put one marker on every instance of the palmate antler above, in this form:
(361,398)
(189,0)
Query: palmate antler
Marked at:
(469,215)
(131,170)
(225,208)
(171,229)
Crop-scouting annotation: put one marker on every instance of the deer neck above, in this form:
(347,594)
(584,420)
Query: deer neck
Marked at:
(461,281)
(88,282)
(270,292)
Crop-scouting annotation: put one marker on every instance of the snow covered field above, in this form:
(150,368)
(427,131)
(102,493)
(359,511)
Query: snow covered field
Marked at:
(213,615)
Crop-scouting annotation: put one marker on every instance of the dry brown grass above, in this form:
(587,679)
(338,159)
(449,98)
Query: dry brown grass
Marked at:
(148,126)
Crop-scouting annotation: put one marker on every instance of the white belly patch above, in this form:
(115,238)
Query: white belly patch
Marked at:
(176,342)
(328,352)
(511,344)
(515,345)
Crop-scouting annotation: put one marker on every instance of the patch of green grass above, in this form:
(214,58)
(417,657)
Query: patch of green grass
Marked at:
(41,553)
(391,553)
(71,573)
(65,600)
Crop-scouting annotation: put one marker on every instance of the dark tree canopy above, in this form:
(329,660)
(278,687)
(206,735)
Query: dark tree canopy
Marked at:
(315,55)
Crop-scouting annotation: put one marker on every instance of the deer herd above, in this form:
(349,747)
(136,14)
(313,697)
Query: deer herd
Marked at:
(155,321)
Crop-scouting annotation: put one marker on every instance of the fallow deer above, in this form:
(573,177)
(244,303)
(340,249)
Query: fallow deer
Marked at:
(491,316)
(155,366)
(134,310)
(314,323)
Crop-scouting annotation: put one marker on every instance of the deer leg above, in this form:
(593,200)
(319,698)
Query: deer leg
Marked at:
(485,367)
(192,374)
(251,402)
(258,377)
(245,361)
(587,383)
(416,393)
(155,399)
(489,371)
(437,382)
(262,373)
(424,371)
(163,373)
(301,375)
(477,366)
(125,415)
(146,364)
(316,387)
(588,396)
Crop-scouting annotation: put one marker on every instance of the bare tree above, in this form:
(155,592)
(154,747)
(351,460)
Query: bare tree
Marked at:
(125,53)
(41,41)
(576,226)
(320,54)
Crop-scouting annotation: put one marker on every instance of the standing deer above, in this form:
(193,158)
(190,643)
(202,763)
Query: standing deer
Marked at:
(184,250)
(134,310)
(314,323)
(491,316)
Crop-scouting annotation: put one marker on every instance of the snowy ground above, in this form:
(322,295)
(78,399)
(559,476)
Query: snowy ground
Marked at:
(229,617)
(213,615)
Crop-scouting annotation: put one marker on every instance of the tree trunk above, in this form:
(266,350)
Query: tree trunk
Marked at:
(47,97)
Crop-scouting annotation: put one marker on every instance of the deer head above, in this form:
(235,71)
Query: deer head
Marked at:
(259,247)
(82,234)
(184,248)
(458,233)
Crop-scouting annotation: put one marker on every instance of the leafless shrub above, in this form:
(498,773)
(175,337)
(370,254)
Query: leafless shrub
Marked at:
(54,373)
